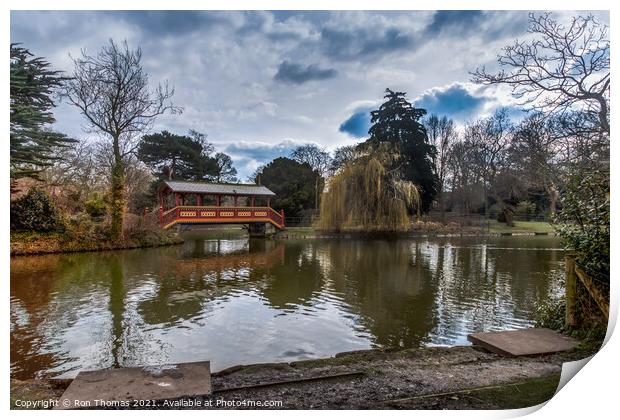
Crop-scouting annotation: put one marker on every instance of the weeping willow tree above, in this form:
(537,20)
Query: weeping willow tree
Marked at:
(366,196)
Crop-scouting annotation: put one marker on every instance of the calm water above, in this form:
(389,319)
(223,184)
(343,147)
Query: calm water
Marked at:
(236,301)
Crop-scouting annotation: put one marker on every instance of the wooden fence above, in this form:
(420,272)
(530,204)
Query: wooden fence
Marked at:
(575,274)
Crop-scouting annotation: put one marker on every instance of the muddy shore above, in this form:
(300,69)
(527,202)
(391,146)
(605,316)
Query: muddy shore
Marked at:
(464,377)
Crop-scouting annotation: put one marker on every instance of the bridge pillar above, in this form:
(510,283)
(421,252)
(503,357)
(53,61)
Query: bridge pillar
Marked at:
(257,230)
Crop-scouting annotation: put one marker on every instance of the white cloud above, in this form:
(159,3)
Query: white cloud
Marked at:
(223,64)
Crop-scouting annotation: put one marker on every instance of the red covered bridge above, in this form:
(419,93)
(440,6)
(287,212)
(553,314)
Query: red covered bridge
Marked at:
(187,203)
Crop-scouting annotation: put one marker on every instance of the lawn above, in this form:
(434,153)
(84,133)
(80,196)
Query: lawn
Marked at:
(520,226)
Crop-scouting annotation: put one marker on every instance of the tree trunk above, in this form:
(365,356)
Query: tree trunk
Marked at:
(603,114)
(441,205)
(553,199)
(316,194)
(506,211)
(508,216)
(117,194)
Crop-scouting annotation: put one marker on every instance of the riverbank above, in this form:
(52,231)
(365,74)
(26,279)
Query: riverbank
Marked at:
(34,243)
(425,230)
(462,377)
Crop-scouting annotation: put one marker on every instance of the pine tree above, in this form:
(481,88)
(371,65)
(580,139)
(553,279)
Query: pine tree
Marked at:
(397,122)
(33,143)
(183,157)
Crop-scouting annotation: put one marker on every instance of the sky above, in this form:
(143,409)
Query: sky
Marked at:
(261,83)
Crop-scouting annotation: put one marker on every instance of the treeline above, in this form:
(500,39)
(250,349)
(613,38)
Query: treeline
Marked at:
(551,159)
(118,171)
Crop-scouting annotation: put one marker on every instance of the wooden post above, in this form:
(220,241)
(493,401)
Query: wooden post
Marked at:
(177,199)
(235,200)
(571,291)
(268,201)
(218,200)
(253,201)
(199,199)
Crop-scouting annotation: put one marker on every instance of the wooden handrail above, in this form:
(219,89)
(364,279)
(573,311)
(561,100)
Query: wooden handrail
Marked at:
(219,208)
(596,294)
(170,216)
(574,273)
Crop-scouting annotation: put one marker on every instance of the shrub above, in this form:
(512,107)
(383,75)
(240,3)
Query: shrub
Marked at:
(35,211)
(583,222)
(525,208)
(96,206)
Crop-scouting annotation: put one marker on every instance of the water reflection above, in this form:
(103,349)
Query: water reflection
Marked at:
(237,300)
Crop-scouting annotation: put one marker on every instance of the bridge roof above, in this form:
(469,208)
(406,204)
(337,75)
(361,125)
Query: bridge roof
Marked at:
(218,188)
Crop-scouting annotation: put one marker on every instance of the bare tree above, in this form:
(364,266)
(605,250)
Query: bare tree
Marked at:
(74,176)
(536,154)
(314,156)
(442,134)
(489,141)
(112,92)
(462,180)
(563,67)
(342,157)
(254,177)
(318,159)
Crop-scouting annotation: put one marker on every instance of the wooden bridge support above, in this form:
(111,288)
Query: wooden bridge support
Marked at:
(257,230)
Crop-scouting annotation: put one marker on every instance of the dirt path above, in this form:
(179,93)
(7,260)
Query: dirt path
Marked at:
(432,378)
(391,379)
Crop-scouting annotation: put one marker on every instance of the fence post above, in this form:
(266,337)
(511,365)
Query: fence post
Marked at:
(571,291)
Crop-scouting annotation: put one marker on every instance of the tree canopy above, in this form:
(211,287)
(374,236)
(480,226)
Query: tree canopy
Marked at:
(397,122)
(224,169)
(181,157)
(33,144)
(364,195)
(293,182)
(318,158)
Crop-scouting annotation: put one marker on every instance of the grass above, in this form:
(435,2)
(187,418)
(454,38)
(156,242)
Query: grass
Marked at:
(499,397)
(526,394)
(494,227)
(301,229)
(520,227)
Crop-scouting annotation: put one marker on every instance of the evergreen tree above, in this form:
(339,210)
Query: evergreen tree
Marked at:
(182,157)
(397,123)
(292,182)
(32,142)
(225,171)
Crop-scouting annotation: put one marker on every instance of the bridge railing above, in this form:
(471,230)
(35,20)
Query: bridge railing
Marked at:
(213,214)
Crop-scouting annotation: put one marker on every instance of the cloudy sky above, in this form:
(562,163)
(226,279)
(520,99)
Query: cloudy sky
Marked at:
(260,83)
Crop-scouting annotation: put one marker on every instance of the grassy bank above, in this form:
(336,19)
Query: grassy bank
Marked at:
(32,243)
(494,228)
(520,227)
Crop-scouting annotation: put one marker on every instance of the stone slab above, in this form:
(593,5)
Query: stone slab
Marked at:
(134,384)
(527,342)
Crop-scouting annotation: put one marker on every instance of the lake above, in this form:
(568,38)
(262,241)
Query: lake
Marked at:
(233,300)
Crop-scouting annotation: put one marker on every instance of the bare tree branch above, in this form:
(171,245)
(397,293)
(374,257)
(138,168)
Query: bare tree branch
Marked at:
(564,68)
